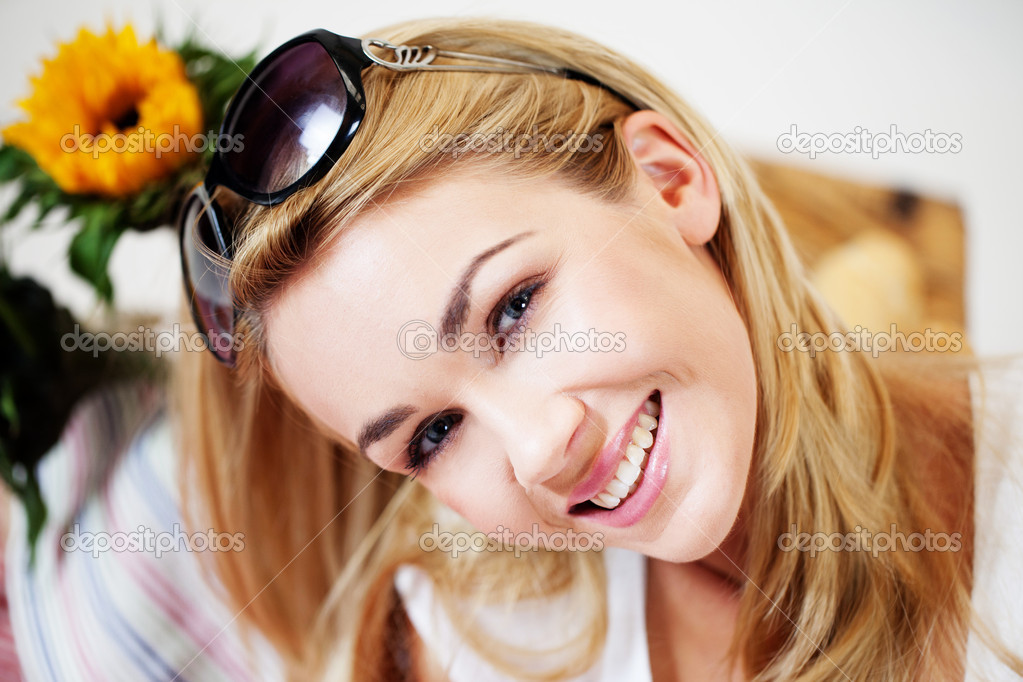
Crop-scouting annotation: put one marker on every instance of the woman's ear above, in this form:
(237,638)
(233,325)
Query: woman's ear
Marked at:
(673,171)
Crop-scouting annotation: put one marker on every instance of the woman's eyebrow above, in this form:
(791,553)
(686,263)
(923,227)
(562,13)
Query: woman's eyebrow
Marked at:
(455,314)
(458,304)
(384,425)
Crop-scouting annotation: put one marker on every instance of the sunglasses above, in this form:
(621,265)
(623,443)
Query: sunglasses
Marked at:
(291,120)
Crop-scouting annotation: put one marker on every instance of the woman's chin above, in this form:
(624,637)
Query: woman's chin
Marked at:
(693,532)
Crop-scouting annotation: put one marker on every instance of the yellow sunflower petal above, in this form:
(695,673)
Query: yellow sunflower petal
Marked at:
(134,97)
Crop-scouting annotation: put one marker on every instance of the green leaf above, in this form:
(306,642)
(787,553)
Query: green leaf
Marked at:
(16,326)
(153,206)
(8,408)
(35,511)
(26,487)
(23,199)
(215,76)
(14,163)
(46,201)
(34,185)
(91,248)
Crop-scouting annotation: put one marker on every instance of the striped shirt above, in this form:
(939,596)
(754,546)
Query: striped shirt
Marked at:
(113,595)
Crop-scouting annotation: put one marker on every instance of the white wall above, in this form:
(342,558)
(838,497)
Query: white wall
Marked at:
(753,68)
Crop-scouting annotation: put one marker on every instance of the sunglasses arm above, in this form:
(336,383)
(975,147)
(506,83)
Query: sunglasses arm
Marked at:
(420,58)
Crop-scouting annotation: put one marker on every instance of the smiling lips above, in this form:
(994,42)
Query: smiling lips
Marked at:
(619,473)
(630,468)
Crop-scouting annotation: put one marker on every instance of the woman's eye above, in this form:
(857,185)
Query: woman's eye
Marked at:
(430,439)
(509,316)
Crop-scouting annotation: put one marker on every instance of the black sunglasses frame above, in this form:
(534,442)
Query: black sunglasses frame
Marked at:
(349,58)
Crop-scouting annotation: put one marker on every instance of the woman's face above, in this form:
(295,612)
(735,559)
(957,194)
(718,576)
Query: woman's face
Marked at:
(505,338)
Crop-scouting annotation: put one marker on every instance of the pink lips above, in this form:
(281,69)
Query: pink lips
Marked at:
(607,462)
(655,473)
(635,506)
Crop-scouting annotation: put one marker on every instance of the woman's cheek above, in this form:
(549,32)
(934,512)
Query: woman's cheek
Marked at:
(475,481)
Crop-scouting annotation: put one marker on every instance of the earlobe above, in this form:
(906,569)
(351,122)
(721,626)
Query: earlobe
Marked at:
(672,167)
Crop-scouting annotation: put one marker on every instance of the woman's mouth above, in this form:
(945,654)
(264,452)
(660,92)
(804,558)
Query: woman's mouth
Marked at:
(628,471)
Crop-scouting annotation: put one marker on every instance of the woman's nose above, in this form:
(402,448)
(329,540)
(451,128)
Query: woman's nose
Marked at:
(533,429)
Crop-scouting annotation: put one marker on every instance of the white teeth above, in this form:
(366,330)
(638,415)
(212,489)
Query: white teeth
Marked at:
(630,469)
(642,437)
(635,454)
(618,488)
(627,472)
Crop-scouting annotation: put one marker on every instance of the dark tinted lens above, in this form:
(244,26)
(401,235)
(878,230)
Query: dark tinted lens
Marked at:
(287,117)
(206,279)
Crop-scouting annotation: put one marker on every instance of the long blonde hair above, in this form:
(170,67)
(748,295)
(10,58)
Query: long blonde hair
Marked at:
(324,535)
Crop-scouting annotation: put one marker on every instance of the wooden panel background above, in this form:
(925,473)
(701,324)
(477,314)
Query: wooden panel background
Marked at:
(878,253)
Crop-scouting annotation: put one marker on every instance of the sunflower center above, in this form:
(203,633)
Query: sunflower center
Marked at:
(129,118)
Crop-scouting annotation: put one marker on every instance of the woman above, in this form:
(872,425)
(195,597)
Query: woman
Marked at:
(578,332)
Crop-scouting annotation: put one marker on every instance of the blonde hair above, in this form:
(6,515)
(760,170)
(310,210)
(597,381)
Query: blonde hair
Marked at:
(325,535)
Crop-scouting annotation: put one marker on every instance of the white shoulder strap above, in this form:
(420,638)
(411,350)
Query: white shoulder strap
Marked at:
(538,624)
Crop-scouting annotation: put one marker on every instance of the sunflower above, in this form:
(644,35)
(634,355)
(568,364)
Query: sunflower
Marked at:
(109,115)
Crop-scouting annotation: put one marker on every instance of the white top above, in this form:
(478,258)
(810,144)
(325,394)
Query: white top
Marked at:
(997,592)
(998,520)
(539,624)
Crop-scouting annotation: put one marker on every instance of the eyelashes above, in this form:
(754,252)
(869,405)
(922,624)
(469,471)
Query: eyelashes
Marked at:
(431,437)
(505,322)
(517,307)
